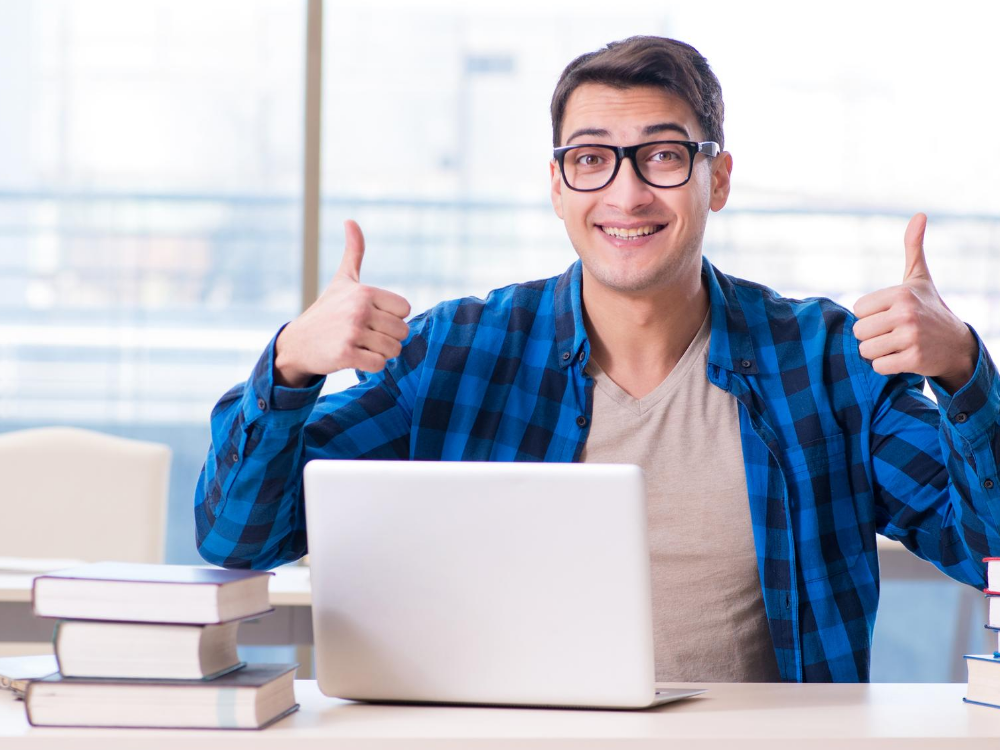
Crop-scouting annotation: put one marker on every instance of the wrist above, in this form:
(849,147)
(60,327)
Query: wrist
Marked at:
(285,371)
(955,380)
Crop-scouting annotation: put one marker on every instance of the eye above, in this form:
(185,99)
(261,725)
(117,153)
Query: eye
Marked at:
(664,155)
(588,159)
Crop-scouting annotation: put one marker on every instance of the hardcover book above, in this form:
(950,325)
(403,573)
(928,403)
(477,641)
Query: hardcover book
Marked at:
(137,592)
(993,612)
(992,575)
(249,698)
(88,648)
(984,680)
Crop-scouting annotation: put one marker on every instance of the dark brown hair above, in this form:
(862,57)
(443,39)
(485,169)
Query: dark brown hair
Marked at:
(646,61)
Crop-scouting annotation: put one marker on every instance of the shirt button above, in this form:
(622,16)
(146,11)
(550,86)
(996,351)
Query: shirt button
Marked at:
(988,484)
(581,421)
(745,364)
(262,404)
(581,356)
(566,355)
(235,457)
(961,417)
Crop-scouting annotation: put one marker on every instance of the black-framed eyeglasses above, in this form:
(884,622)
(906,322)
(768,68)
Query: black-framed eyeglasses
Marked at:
(587,167)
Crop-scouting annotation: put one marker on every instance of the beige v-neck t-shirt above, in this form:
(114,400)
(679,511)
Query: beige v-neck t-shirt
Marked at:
(709,623)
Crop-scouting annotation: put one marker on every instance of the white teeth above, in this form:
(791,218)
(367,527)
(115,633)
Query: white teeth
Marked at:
(629,233)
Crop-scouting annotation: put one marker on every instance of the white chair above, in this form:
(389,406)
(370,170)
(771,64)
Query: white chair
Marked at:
(67,493)
(72,493)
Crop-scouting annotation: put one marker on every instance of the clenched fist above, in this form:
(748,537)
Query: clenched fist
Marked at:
(350,326)
(909,328)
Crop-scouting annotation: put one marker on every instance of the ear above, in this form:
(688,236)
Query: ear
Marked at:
(722,170)
(556,179)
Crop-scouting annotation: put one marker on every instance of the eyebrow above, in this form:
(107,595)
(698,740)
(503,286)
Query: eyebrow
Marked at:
(662,126)
(659,127)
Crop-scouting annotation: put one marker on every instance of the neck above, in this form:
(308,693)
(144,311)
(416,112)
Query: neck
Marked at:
(638,337)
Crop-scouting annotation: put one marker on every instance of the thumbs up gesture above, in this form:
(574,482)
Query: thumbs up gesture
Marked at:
(909,328)
(350,326)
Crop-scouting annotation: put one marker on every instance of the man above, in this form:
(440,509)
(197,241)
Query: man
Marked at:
(777,436)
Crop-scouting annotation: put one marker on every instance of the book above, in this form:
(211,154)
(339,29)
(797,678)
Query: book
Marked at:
(249,698)
(17,671)
(992,575)
(984,680)
(140,592)
(993,616)
(88,648)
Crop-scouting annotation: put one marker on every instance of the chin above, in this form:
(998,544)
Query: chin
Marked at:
(631,280)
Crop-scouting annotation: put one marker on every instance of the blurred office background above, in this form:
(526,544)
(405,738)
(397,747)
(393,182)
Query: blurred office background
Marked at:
(151,187)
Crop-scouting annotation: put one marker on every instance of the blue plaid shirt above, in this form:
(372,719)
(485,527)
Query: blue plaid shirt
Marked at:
(834,452)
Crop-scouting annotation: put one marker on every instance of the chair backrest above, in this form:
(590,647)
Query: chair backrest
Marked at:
(72,493)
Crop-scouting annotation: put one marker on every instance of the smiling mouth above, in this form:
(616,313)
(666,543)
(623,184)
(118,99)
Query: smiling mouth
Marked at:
(633,233)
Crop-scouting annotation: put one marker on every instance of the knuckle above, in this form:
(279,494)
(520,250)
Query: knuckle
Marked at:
(350,339)
(359,314)
(911,302)
(342,355)
(365,294)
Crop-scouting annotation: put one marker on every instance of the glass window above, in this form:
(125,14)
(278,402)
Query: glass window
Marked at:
(150,214)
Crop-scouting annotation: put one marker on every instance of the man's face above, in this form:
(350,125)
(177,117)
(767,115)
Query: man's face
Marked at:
(670,221)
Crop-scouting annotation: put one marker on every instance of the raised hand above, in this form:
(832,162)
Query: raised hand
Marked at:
(909,328)
(350,326)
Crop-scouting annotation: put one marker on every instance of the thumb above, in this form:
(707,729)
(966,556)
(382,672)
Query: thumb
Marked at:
(913,242)
(354,251)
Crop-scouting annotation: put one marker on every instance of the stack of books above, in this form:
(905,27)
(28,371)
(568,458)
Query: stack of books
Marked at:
(984,669)
(155,646)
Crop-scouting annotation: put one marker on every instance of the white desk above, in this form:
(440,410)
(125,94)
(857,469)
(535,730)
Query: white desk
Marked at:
(730,717)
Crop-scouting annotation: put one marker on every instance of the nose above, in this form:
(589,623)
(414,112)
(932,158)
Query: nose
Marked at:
(627,192)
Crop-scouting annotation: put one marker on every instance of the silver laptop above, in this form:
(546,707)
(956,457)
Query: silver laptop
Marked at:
(482,583)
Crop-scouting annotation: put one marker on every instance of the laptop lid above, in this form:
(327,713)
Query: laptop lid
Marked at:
(495,583)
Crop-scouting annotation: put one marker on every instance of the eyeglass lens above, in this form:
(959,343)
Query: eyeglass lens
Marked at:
(662,164)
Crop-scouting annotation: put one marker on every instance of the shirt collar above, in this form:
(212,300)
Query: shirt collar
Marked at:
(571,334)
(731,347)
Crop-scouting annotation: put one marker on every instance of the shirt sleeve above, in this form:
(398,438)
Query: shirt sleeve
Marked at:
(249,508)
(935,467)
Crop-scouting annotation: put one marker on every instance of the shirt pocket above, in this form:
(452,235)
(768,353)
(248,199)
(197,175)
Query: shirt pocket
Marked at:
(824,515)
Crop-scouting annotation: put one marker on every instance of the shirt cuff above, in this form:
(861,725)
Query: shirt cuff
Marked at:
(264,396)
(975,407)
